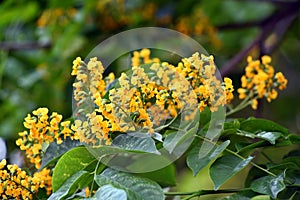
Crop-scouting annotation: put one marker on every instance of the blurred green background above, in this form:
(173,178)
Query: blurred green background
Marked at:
(40,39)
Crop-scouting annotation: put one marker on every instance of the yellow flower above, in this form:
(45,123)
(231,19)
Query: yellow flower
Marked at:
(41,112)
(242,93)
(281,80)
(76,64)
(266,59)
(2,163)
(254,103)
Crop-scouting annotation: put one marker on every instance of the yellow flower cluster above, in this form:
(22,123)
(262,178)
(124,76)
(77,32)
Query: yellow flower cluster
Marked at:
(197,23)
(89,88)
(16,184)
(201,73)
(42,129)
(142,57)
(56,16)
(145,97)
(261,81)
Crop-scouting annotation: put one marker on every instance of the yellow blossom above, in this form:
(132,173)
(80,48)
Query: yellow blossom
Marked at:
(259,81)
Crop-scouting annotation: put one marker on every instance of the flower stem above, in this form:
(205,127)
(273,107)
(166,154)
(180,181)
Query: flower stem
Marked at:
(242,105)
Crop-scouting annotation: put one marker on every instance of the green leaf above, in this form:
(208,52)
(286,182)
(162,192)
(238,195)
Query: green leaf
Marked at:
(54,151)
(225,167)
(261,197)
(75,160)
(254,125)
(269,136)
(201,155)
(77,181)
(135,142)
(246,147)
(269,185)
(108,192)
(205,117)
(165,176)
(294,139)
(136,188)
(177,142)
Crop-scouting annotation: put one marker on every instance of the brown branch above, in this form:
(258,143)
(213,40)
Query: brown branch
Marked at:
(278,21)
(240,25)
(278,2)
(279,32)
(15,46)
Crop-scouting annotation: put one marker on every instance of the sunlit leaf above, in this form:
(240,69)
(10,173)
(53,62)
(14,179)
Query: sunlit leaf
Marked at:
(71,162)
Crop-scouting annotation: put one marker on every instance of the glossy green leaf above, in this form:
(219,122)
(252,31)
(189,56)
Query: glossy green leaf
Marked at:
(54,151)
(246,147)
(77,181)
(225,167)
(70,163)
(135,142)
(108,192)
(269,185)
(137,188)
(254,125)
(164,177)
(200,156)
(269,136)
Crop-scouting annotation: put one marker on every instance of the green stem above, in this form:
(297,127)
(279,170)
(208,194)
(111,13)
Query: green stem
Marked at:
(238,155)
(204,192)
(242,105)
(252,163)
(95,173)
